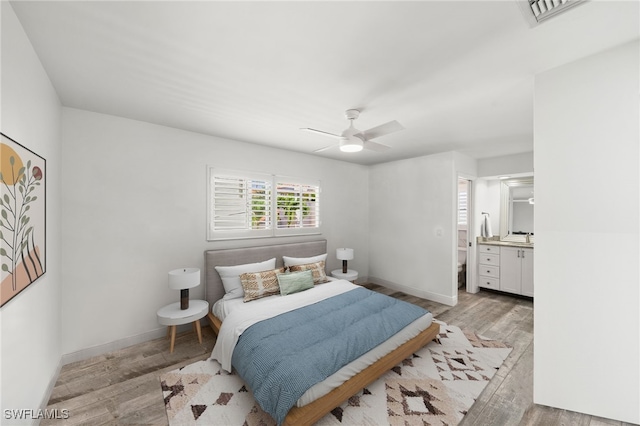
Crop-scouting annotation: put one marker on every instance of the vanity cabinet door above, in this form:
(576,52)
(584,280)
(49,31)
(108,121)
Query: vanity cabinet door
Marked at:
(510,270)
(527,272)
(516,270)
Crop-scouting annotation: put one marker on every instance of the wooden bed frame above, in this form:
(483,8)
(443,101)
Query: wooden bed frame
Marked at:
(314,411)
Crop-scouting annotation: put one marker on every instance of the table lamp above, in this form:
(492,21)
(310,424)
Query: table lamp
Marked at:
(183,279)
(344,254)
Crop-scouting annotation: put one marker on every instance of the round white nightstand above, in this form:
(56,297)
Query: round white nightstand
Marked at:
(171,316)
(351,275)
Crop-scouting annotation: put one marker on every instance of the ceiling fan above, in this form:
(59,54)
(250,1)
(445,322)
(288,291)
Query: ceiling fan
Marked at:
(353,140)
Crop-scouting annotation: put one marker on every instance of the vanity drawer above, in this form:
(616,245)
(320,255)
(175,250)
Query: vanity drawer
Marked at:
(484,248)
(489,271)
(488,282)
(489,259)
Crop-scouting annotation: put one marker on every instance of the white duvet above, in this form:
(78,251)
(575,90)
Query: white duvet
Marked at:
(244,315)
(238,316)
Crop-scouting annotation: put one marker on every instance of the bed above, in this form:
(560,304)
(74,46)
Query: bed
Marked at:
(315,407)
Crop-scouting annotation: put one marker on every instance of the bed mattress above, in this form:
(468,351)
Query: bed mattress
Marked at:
(242,315)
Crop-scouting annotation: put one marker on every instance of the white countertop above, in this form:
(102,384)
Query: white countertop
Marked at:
(504,243)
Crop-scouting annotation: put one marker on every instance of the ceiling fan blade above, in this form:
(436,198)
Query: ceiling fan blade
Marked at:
(306,129)
(375,146)
(381,130)
(324,149)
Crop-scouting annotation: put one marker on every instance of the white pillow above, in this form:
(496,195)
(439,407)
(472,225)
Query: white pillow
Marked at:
(294,261)
(230,276)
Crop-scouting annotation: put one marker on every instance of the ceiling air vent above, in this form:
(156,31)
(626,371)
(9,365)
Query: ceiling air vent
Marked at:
(545,9)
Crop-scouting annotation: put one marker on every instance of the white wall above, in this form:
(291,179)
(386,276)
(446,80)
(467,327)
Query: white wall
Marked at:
(413,228)
(507,165)
(465,165)
(30,323)
(134,207)
(488,200)
(587,314)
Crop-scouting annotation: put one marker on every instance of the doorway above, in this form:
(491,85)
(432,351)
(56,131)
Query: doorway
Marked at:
(463,231)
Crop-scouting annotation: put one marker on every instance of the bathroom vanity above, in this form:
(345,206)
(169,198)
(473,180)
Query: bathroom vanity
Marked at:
(506,266)
(505,262)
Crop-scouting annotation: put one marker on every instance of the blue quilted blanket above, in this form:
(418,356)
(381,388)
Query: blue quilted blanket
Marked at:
(280,358)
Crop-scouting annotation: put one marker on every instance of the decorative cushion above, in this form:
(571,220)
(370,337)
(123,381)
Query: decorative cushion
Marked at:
(294,282)
(230,276)
(316,268)
(292,261)
(260,284)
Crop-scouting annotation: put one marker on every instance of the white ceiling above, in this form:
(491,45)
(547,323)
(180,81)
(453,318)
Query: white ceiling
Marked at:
(458,75)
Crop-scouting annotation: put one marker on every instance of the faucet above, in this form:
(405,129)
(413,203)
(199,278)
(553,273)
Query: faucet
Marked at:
(528,238)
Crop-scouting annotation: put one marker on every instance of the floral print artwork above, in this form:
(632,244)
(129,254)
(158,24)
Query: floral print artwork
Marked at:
(22,218)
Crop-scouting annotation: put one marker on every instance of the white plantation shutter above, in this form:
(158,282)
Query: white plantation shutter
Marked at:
(252,205)
(462,208)
(240,205)
(297,206)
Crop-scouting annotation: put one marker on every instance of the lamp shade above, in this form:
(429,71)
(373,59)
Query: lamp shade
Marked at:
(344,254)
(183,278)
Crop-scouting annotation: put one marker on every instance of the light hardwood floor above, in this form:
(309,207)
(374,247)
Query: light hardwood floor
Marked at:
(123,387)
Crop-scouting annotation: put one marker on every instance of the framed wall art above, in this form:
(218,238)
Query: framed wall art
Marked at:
(22,218)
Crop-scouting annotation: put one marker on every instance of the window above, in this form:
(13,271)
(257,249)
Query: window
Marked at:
(462,208)
(253,205)
(240,205)
(297,206)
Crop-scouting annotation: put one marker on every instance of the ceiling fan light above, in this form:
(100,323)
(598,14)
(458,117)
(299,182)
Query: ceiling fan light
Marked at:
(352,144)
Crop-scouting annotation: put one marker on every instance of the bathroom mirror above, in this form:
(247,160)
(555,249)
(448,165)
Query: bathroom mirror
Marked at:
(516,209)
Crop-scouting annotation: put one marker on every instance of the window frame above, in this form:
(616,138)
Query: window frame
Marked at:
(272,230)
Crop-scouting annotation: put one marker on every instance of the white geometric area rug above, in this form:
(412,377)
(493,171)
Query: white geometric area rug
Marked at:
(436,385)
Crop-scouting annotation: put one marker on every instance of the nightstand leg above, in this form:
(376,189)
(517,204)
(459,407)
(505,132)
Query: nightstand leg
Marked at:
(173,338)
(198,330)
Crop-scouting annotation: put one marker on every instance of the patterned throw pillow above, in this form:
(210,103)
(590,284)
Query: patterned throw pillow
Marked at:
(230,276)
(260,284)
(317,269)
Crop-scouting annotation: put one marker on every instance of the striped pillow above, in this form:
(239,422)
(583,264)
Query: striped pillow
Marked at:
(316,268)
(260,284)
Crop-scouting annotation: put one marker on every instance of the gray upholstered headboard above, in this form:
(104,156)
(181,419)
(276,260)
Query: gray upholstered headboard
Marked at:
(213,290)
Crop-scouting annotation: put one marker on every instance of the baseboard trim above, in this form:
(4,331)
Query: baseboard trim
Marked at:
(97,350)
(52,384)
(362,280)
(436,297)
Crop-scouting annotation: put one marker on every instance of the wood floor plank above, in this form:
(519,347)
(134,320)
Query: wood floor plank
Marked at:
(568,418)
(123,387)
(510,321)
